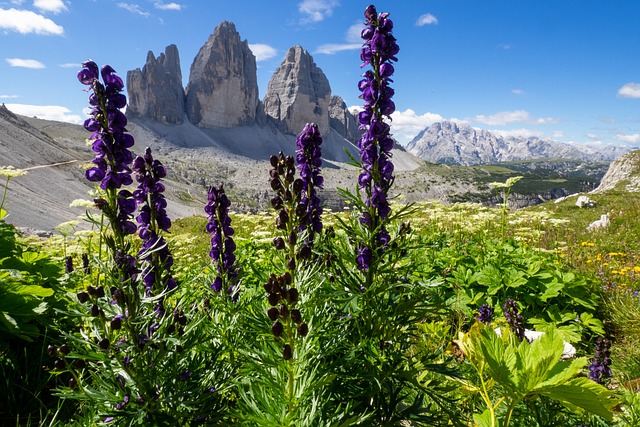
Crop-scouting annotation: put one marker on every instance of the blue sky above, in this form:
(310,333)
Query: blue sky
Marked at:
(568,70)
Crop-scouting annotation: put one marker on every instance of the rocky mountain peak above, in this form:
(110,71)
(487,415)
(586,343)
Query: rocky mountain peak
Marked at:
(298,93)
(623,172)
(342,120)
(223,87)
(155,91)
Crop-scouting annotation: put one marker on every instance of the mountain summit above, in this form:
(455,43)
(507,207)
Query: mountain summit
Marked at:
(459,144)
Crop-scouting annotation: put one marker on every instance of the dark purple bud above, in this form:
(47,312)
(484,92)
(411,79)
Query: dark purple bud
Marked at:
(64,349)
(296,316)
(284,311)
(273,313)
(303,329)
(72,383)
(287,353)
(278,243)
(59,364)
(277,329)
(82,296)
(293,295)
(52,350)
(104,343)
(273,299)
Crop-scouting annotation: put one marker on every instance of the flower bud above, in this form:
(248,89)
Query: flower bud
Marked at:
(276,202)
(59,364)
(287,353)
(273,313)
(72,383)
(80,364)
(273,299)
(52,350)
(296,316)
(95,310)
(273,159)
(293,295)
(291,264)
(116,323)
(284,311)
(277,329)
(64,349)
(104,343)
(82,296)
(303,329)
(278,243)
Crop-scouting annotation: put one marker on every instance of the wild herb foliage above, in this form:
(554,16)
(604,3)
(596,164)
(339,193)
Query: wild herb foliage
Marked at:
(302,317)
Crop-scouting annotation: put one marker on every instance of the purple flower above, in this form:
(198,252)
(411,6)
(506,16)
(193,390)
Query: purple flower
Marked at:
(378,50)
(363,259)
(308,156)
(111,143)
(223,247)
(514,319)
(485,312)
(152,219)
(599,369)
(68,264)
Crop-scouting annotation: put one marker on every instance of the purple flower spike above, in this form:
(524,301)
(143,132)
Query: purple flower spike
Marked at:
(485,312)
(378,50)
(223,247)
(308,157)
(514,319)
(599,369)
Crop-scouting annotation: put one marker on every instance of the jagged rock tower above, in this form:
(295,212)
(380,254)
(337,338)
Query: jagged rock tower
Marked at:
(298,93)
(223,86)
(156,92)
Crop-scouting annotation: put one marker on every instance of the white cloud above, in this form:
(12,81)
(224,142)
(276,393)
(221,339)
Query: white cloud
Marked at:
(517,116)
(516,133)
(262,51)
(25,63)
(52,6)
(27,22)
(517,92)
(630,138)
(353,41)
(133,8)
(592,136)
(426,19)
(405,125)
(46,112)
(630,90)
(332,48)
(70,65)
(316,10)
(9,96)
(167,6)
(505,46)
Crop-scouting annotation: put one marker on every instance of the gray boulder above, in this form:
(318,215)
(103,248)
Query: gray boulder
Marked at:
(223,86)
(298,93)
(155,91)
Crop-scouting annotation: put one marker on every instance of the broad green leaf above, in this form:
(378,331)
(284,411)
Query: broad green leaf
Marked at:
(483,420)
(515,278)
(552,290)
(585,394)
(592,323)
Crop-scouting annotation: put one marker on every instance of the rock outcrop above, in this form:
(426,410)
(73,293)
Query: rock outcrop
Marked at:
(342,120)
(298,93)
(156,92)
(223,85)
(623,174)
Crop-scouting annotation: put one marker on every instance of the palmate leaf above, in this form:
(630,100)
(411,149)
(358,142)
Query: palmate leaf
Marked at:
(582,393)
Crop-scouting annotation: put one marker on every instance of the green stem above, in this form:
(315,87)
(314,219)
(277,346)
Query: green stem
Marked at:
(4,194)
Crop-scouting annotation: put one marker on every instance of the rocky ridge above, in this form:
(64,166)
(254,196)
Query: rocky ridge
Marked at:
(623,174)
(459,144)
(222,91)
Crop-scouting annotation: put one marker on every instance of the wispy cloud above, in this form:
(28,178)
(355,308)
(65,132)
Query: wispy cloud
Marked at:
(9,96)
(518,92)
(27,22)
(630,138)
(505,46)
(134,8)
(46,112)
(25,63)
(630,90)
(263,51)
(51,6)
(316,10)
(70,65)
(426,19)
(516,133)
(517,116)
(353,41)
(167,6)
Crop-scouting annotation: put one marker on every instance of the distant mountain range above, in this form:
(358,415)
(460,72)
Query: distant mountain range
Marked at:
(458,144)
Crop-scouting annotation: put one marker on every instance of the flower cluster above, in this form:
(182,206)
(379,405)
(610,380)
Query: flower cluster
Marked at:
(151,219)
(514,319)
(292,207)
(599,369)
(223,247)
(308,157)
(379,50)
(111,144)
(485,313)
(283,299)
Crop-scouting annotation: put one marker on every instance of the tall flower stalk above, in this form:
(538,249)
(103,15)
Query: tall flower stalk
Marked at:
(376,174)
(223,247)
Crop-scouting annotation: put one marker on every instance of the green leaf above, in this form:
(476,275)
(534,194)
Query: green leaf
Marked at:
(584,394)
(552,290)
(483,420)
